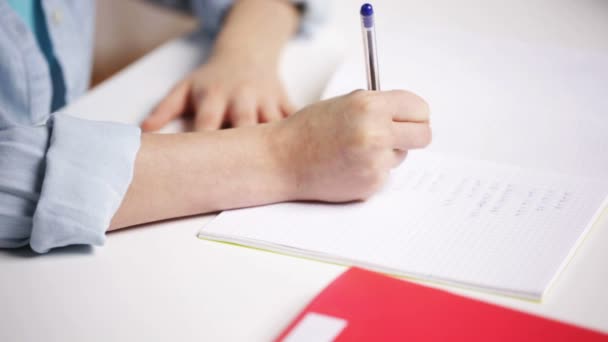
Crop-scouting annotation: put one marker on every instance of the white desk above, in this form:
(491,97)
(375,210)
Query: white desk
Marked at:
(160,282)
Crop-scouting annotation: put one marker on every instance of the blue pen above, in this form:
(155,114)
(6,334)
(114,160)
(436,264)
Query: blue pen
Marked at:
(369,45)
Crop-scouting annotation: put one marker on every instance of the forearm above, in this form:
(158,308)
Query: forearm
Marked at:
(336,150)
(192,173)
(256,30)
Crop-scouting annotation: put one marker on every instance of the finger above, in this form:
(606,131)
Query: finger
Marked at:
(398,157)
(287,108)
(172,106)
(210,113)
(270,112)
(405,106)
(243,111)
(408,135)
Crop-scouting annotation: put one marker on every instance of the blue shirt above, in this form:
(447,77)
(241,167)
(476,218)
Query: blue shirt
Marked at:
(25,9)
(63,178)
(32,15)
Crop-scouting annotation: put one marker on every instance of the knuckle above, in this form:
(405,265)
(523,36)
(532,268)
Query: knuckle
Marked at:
(213,88)
(362,102)
(403,92)
(370,138)
(245,90)
(356,92)
(406,94)
(209,90)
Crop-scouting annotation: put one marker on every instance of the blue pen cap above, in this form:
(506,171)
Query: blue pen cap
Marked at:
(367,15)
(367,10)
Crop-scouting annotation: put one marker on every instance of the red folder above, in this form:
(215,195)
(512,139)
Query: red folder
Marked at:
(366,306)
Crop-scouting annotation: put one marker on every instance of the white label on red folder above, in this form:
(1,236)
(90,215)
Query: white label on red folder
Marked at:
(316,327)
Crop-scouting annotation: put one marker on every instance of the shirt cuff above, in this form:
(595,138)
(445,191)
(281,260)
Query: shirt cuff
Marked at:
(89,166)
(22,153)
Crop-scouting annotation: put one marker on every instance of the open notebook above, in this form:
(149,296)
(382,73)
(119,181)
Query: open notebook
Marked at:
(515,177)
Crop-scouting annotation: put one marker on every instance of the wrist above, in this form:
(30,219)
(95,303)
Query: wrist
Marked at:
(255,31)
(280,139)
(240,56)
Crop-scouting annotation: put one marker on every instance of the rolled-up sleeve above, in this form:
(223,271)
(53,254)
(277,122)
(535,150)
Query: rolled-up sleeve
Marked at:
(61,183)
(212,12)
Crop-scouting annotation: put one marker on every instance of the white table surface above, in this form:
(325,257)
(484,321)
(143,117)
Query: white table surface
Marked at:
(159,282)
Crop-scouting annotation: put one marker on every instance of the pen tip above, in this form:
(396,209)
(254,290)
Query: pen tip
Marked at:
(367,10)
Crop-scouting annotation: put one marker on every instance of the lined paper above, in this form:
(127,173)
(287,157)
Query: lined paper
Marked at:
(512,181)
(475,223)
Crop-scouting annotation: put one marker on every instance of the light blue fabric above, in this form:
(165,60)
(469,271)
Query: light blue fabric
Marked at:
(25,9)
(62,178)
(32,15)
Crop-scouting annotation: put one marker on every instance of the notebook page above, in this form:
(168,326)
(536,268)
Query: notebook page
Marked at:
(479,224)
